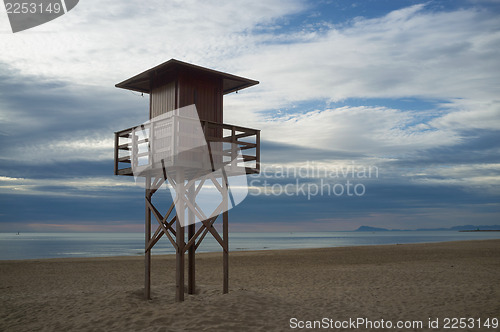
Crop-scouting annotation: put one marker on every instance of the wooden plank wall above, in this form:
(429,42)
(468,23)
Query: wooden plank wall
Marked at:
(204,91)
(162,99)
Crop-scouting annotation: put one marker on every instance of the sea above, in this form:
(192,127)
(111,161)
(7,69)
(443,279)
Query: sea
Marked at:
(15,246)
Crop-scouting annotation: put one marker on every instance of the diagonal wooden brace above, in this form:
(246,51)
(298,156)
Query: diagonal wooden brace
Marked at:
(161,221)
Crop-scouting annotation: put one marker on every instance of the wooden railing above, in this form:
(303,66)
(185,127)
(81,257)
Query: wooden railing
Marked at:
(133,147)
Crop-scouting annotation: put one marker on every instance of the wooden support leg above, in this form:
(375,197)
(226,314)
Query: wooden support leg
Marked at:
(147,254)
(191,250)
(225,254)
(191,262)
(179,294)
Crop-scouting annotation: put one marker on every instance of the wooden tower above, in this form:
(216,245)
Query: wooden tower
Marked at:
(172,86)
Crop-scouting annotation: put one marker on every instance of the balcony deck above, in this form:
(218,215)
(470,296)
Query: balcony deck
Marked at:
(131,147)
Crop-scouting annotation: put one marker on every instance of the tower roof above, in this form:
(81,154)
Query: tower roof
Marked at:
(142,81)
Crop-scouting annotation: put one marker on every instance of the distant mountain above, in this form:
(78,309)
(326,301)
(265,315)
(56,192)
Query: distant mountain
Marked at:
(473,228)
(371,229)
(454,228)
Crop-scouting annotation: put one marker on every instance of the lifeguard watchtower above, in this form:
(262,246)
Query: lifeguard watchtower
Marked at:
(186,144)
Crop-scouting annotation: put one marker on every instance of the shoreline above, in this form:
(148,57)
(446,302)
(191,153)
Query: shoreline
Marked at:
(141,256)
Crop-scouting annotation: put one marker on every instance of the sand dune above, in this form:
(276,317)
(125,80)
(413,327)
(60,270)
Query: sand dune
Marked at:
(267,289)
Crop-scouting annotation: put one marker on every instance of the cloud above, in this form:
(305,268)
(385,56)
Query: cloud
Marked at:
(62,187)
(446,57)
(47,121)
(411,52)
(408,52)
(330,93)
(483,178)
(471,114)
(374,131)
(120,39)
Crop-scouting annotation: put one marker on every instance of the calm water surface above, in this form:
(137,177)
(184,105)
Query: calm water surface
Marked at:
(56,245)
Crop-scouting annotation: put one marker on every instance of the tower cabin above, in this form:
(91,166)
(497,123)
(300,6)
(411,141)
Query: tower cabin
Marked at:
(172,87)
(176,84)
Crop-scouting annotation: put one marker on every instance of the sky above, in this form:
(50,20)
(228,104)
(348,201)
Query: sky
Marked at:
(392,108)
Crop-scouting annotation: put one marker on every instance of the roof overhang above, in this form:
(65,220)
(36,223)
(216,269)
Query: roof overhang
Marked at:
(142,81)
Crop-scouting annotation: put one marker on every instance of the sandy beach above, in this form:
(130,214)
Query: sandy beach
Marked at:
(269,290)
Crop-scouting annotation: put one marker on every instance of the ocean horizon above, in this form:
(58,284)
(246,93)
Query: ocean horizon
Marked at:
(15,246)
